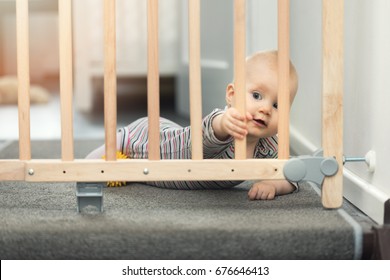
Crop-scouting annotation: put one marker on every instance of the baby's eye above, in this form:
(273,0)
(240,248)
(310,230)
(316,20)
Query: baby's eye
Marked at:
(256,95)
(276,105)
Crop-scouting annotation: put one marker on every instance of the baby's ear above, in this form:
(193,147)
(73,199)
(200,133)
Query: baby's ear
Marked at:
(229,94)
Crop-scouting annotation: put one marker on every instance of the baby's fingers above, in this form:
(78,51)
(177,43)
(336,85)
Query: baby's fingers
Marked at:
(237,128)
(249,117)
(233,113)
(238,133)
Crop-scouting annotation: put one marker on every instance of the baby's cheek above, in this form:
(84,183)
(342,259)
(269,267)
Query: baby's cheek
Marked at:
(273,127)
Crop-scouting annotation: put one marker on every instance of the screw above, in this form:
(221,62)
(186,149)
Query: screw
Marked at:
(353,159)
(146,171)
(31,171)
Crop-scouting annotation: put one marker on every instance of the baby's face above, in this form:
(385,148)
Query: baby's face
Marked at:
(262,101)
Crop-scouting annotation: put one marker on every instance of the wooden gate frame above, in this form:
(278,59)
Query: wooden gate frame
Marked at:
(68,169)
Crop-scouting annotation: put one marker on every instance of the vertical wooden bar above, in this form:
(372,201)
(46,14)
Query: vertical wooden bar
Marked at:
(153,82)
(66,80)
(195,79)
(110,79)
(239,69)
(332,94)
(283,79)
(23,63)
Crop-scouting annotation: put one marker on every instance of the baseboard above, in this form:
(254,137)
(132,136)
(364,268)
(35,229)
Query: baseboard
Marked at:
(299,144)
(369,199)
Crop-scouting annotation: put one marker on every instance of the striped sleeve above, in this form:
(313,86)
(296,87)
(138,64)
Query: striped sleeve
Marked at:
(175,141)
(212,146)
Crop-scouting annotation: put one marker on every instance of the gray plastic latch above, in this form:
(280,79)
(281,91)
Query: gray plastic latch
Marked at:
(89,194)
(309,168)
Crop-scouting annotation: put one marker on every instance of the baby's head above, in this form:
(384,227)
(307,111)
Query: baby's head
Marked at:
(263,65)
(262,92)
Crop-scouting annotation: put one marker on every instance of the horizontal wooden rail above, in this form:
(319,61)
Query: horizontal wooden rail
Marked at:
(136,170)
(12,170)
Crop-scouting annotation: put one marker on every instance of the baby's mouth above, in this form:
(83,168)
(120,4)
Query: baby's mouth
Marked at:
(260,122)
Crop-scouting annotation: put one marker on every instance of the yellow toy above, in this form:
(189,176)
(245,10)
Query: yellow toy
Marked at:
(119,155)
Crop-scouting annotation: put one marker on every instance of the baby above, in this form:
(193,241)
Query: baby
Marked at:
(220,128)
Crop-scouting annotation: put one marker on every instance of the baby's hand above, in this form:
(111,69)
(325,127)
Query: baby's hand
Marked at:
(234,124)
(262,191)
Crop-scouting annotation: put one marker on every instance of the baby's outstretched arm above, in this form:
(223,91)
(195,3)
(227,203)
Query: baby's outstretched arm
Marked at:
(230,123)
(99,152)
(267,190)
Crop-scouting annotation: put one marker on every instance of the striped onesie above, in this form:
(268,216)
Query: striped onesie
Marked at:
(175,143)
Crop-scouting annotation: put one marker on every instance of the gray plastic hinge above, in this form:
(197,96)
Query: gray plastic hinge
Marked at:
(89,194)
(310,168)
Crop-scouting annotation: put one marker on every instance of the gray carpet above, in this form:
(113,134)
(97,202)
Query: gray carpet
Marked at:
(39,221)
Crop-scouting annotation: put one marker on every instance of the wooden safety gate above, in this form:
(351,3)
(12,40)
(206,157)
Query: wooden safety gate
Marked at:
(68,169)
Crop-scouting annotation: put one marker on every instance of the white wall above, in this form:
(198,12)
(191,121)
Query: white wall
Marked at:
(216,55)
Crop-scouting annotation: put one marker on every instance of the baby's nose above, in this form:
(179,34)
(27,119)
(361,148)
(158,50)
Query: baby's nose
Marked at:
(265,108)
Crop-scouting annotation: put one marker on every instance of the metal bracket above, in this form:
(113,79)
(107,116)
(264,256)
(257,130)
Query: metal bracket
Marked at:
(89,194)
(310,168)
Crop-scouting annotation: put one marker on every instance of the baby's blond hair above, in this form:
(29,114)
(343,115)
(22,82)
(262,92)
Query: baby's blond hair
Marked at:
(271,58)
